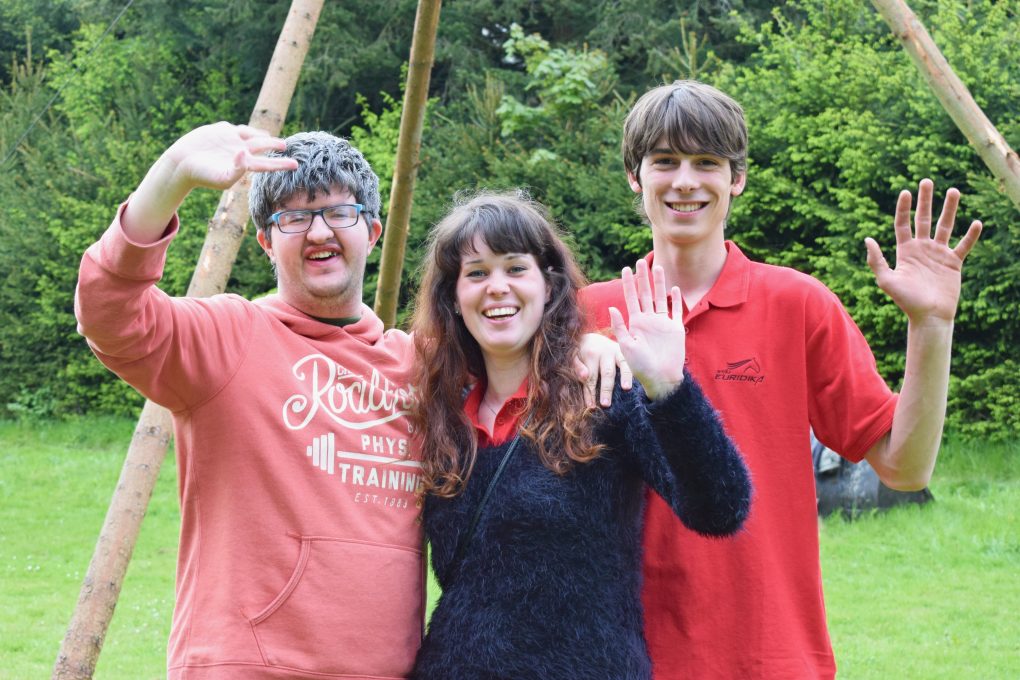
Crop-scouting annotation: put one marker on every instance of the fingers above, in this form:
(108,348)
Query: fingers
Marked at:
(922,216)
(626,374)
(607,377)
(589,383)
(944,228)
(642,295)
(659,281)
(620,330)
(260,145)
(249,132)
(589,387)
(269,164)
(962,248)
(678,305)
(643,286)
(901,223)
(622,334)
(630,294)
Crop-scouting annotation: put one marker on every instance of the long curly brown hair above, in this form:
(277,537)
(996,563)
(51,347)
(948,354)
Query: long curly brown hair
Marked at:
(449,359)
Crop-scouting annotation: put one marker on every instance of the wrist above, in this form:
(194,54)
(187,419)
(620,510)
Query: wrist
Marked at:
(930,324)
(153,204)
(657,390)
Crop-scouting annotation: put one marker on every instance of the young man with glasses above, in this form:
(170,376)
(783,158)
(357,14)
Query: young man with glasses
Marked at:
(300,547)
(777,355)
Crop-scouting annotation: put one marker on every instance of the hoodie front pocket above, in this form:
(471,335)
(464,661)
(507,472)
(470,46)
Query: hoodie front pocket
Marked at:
(349,608)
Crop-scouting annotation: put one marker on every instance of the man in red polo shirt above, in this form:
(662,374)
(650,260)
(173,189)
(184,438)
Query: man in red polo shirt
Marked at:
(777,355)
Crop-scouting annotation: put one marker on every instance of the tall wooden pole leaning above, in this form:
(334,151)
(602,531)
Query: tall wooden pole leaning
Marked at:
(101,587)
(954,95)
(412,117)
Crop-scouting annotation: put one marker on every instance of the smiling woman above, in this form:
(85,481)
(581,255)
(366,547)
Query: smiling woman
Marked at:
(501,297)
(550,552)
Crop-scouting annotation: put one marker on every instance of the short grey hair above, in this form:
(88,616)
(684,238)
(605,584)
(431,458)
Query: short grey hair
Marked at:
(325,163)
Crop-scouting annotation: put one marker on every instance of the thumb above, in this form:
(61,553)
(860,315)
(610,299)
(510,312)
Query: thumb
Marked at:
(616,323)
(876,261)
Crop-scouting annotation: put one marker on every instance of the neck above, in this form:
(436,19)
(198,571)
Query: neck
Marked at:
(503,377)
(324,308)
(694,268)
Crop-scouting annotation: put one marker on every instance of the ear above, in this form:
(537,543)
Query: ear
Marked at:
(739,182)
(265,243)
(635,183)
(374,232)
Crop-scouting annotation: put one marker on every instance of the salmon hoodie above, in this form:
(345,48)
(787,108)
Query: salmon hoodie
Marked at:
(300,546)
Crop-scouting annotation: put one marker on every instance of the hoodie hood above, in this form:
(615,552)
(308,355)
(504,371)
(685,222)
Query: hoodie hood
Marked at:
(369,329)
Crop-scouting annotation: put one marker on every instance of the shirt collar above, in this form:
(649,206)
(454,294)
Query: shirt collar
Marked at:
(731,288)
(507,418)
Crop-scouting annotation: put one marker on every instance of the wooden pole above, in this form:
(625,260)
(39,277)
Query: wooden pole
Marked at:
(101,586)
(954,95)
(412,117)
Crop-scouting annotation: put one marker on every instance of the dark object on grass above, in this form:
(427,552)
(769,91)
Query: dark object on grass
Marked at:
(853,487)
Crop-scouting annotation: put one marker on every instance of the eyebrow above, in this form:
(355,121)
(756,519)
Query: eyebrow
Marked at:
(506,256)
(660,151)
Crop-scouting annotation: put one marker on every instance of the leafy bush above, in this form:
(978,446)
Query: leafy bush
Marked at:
(840,122)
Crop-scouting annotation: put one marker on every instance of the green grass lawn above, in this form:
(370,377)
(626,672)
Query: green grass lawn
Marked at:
(920,592)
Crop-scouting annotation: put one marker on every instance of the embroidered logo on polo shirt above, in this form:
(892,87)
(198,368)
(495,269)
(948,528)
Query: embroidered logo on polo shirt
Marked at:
(745,371)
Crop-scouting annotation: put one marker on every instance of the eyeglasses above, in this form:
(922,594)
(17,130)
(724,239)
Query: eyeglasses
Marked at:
(335,216)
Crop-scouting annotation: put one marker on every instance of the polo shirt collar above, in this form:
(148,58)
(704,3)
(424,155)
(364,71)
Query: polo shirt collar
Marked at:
(506,420)
(731,288)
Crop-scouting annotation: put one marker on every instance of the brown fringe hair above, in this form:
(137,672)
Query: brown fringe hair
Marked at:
(449,359)
(693,117)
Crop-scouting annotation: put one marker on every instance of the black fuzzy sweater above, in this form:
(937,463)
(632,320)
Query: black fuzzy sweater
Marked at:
(550,585)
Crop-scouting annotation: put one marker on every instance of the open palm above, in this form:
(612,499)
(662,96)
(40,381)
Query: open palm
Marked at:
(652,341)
(216,156)
(925,283)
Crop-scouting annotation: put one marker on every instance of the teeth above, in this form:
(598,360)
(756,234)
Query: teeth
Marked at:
(685,207)
(500,312)
(320,255)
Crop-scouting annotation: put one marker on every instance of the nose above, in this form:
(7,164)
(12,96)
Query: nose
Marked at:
(685,178)
(497,285)
(319,231)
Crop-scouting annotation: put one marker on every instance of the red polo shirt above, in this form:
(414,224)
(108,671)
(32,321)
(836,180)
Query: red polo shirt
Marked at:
(777,354)
(507,419)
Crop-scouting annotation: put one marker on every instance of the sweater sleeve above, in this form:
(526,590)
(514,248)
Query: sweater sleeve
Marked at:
(175,351)
(681,450)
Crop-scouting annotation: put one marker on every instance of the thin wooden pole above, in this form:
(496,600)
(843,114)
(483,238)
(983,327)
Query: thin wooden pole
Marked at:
(412,117)
(100,589)
(954,95)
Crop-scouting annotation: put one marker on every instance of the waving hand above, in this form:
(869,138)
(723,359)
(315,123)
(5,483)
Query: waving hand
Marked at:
(653,340)
(925,283)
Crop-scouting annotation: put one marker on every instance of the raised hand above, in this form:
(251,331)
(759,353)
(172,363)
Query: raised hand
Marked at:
(216,156)
(925,283)
(653,340)
(212,156)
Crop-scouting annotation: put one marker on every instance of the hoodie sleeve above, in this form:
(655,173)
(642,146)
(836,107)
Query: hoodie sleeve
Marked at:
(681,450)
(175,351)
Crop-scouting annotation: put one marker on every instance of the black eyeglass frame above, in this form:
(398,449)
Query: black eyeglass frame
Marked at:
(321,212)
